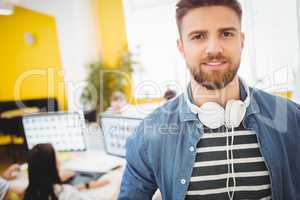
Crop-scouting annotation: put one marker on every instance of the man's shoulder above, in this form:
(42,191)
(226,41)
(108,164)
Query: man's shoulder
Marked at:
(278,111)
(167,113)
(267,100)
(161,121)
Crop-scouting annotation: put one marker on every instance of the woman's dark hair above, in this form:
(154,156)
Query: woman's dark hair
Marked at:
(43,173)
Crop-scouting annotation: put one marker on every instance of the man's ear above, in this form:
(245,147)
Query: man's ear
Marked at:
(242,40)
(180,46)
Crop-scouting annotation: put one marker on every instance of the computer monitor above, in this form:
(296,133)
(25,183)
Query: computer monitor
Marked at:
(116,130)
(64,130)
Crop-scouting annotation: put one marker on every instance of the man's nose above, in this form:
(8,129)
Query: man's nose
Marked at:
(213,47)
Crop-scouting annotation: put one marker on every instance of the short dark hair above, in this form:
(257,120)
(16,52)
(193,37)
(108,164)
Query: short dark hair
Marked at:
(184,6)
(169,94)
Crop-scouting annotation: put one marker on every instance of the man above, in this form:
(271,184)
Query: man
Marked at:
(169,94)
(5,189)
(219,140)
(117,103)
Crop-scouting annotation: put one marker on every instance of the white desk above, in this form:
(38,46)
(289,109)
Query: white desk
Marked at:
(96,160)
(93,161)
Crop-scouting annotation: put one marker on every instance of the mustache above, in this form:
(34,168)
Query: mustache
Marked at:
(218,57)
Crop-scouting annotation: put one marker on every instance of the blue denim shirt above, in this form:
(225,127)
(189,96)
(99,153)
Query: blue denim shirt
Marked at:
(161,152)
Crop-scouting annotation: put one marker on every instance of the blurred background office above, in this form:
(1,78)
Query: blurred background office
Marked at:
(108,58)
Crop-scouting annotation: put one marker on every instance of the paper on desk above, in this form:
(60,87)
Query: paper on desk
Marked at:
(96,161)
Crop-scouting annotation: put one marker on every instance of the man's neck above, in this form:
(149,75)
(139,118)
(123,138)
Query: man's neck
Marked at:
(202,95)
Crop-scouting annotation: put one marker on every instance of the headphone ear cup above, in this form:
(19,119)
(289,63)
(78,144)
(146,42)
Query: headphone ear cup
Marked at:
(234,113)
(211,115)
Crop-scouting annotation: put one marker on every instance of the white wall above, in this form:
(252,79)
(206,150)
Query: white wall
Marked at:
(78,42)
(151,28)
(297,68)
(271,32)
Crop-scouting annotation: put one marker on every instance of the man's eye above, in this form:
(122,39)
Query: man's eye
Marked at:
(198,37)
(228,34)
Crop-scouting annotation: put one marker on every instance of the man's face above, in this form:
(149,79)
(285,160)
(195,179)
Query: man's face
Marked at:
(211,43)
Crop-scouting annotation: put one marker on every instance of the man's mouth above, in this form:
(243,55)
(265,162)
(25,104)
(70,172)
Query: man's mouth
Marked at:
(215,64)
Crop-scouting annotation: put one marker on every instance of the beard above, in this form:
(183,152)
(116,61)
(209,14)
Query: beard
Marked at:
(215,79)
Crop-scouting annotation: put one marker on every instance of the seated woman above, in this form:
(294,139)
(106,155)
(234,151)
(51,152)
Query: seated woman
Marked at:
(44,178)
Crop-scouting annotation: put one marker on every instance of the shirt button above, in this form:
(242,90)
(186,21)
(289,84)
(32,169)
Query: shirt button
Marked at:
(182,181)
(192,149)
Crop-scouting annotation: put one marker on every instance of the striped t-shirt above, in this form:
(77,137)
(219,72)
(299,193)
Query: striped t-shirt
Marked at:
(210,172)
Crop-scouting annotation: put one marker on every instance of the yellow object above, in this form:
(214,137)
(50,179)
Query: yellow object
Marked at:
(110,23)
(19,112)
(30,58)
(147,100)
(14,196)
(287,94)
(5,139)
(112,31)
(18,140)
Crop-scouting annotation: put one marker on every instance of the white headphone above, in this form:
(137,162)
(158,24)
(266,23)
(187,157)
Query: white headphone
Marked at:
(213,115)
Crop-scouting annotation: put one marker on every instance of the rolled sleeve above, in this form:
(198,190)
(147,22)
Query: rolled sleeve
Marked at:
(4,186)
(138,180)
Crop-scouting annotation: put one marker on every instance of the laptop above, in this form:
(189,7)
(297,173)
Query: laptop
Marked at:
(84,177)
(65,131)
(116,129)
